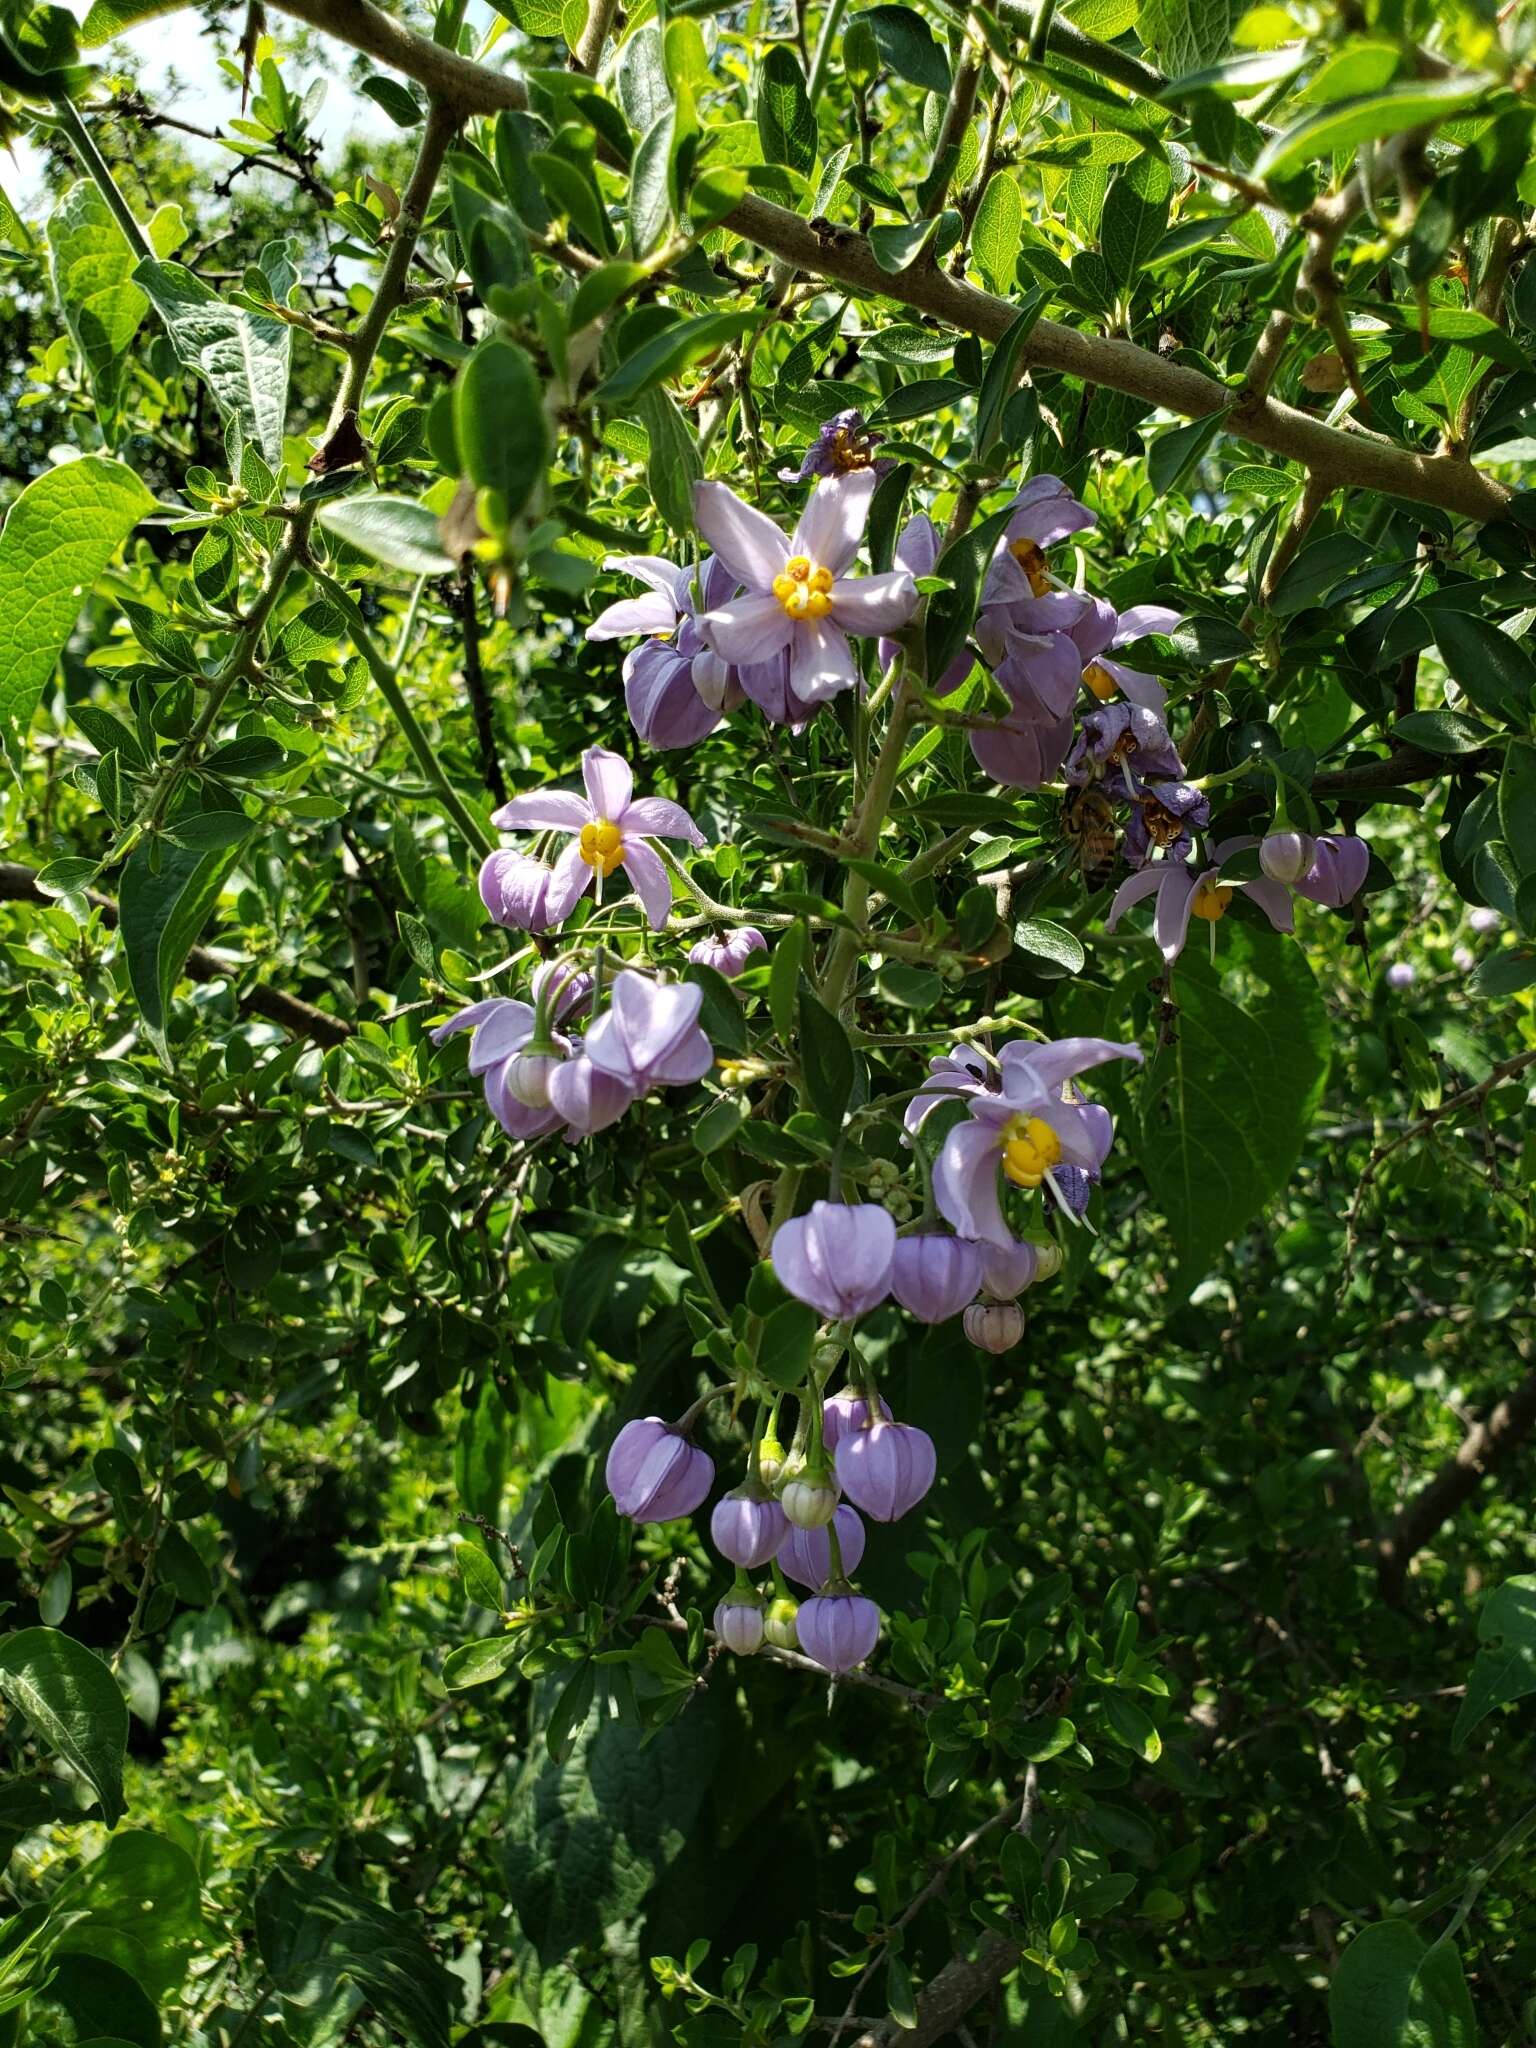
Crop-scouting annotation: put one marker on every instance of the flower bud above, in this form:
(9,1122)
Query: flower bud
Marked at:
(739,1624)
(747,1527)
(810,1501)
(837,1257)
(1287,856)
(1047,1261)
(994,1325)
(771,1460)
(847,1411)
(731,955)
(779,1623)
(1340,864)
(934,1276)
(1483,919)
(1402,974)
(1007,1269)
(887,1468)
(1463,959)
(805,1555)
(654,1473)
(528,1076)
(838,1630)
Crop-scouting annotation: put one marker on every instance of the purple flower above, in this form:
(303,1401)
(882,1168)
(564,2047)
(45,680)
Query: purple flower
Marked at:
(805,1555)
(739,1624)
(1040,671)
(994,1326)
(675,688)
(843,446)
(730,955)
(1165,818)
(610,826)
(952,1076)
(1007,1269)
(845,1412)
(1287,856)
(837,1257)
(798,596)
(585,1098)
(1028,1130)
(1402,974)
(515,890)
(747,1527)
(838,1630)
(654,1473)
(1104,676)
(1124,744)
(1337,874)
(649,1036)
(886,1469)
(917,551)
(1044,512)
(1186,892)
(502,1026)
(1482,919)
(934,1276)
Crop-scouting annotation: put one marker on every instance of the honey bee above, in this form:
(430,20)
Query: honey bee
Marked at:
(1092,830)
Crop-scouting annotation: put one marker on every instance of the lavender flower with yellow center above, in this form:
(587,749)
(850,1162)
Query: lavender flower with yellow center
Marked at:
(1184,892)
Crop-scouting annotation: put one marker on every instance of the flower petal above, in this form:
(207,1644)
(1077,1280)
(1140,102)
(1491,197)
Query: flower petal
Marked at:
(653,613)
(748,629)
(820,661)
(1175,905)
(498,1036)
(663,701)
(1274,899)
(544,810)
(873,604)
(610,782)
(1047,1068)
(833,522)
(1136,686)
(652,884)
(746,540)
(670,578)
(965,1183)
(661,819)
(918,547)
(645,1021)
(466,1020)
(567,884)
(1132,889)
(587,1097)
(1141,619)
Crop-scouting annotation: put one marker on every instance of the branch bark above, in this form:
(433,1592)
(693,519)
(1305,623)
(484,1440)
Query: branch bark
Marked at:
(18,884)
(1486,1446)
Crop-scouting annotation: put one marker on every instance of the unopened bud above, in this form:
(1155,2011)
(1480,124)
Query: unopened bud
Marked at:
(528,1077)
(739,1624)
(779,1623)
(994,1326)
(771,1457)
(1287,856)
(809,1502)
(1047,1261)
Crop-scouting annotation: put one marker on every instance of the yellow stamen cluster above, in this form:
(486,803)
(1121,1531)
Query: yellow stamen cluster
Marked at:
(1032,562)
(1030,1149)
(1100,681)
(849,451)
(804,590)
(602,846)
(1210,902)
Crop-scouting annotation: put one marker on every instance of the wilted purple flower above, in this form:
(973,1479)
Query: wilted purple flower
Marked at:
(842,447)
(675,687)
(610,825)
(838,1630)
(887,1468)
(654,1473)
(747,1527)
(1164,818)
(1287,856)
(1124,745)
(934,1276)
(846,1411)
(994,1326)
(805,1555)
(952,1076)
(1186,892)
(1339,867)
(1007,1269)
(739,1624)
(1028,1130)
(649,1036)
(730,955)
(798,595)
(1402,974)
(515,890)
(837,1257)
(502,1026)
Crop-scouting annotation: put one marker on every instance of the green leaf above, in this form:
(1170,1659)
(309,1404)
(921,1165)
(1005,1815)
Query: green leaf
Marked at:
(59,535)
(1175,453)
(1226,1107)
(109,18)
(1043,940)
(893,248)
(92,267)
(665,354)
(501,424)
(786,123)
(400,104)
(73,1703)
(143,1909)
(997,231)
(650,195)
(1002,372)
(826,1058)
(672,465)
(1390,1990)
(1517,805)
(1135,217)
(325,1946)
(964,563)
(241,356)
(784,980)
(162,911)
(784,1352)
(1442,732)
(907,46)
(1495,672)
(598,290)
(396,531)
(1341,126)
(1505,1665)
(479,1662)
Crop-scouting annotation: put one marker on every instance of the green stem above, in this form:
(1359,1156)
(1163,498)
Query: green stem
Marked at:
(99,170)
(843,953)
(389,689)
(821,62)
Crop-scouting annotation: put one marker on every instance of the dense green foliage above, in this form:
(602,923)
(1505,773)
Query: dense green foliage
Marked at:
(338,1704)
